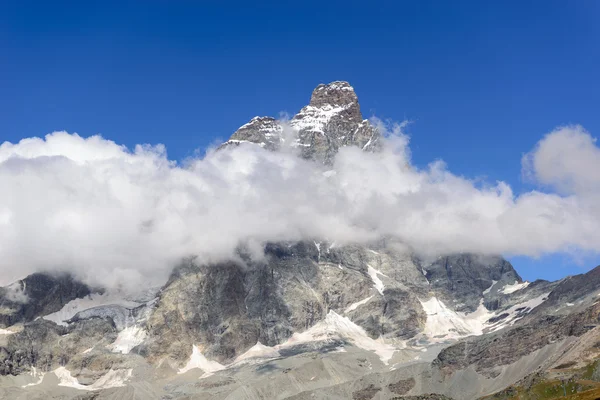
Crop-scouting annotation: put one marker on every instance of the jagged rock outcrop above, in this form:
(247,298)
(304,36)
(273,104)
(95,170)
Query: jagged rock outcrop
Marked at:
(573,289)
(461,279)
(264,131)
(330,121)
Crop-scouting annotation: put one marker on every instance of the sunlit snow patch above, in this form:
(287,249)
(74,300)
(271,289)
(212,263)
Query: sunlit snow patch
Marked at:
(354,306)
(259,350)
(336,326)
(316,118)
(127,339)
(113,378)
(516,312)
(486,291)
(370,142)
(377,283)
(197,360)
(508,289)
(443,323)
(318,246)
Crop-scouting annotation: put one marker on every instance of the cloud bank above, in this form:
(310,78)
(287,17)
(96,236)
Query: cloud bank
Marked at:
(118,217)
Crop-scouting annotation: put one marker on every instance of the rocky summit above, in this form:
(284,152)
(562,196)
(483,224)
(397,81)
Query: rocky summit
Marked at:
(312,319)
(331,120)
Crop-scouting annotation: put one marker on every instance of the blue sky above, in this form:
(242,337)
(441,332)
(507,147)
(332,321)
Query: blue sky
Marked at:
(482,81)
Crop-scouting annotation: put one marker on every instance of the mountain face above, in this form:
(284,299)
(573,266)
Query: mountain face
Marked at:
(38,295)
(312,319)
(330,121)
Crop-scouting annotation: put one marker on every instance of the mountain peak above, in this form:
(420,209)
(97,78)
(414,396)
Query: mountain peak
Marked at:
(330,121)
(335,100)
(337,93)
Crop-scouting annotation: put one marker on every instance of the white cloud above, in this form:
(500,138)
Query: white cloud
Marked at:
(116,217)
(566,159)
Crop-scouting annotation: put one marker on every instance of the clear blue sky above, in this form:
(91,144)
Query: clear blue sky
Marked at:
(483,80)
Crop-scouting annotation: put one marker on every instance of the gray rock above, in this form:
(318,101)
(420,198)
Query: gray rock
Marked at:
(46,345)
(330,121)
(265,131)
(227,308)
(460,280)
(37,295)
(486,353)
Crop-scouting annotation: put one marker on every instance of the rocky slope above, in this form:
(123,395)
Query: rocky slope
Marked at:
(312,319)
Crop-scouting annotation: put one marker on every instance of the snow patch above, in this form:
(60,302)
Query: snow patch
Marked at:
(377,283)
(259,350)
(425,275)
(366,146)
(265,125)
(238,142)
(486,291)
(127,339)
(354,306)
(113,378)
(443,323)
(248,124)
(337,86)
(94,300)
(336,326)
(508,289)
(315,118)
(517,312)
(198,360)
